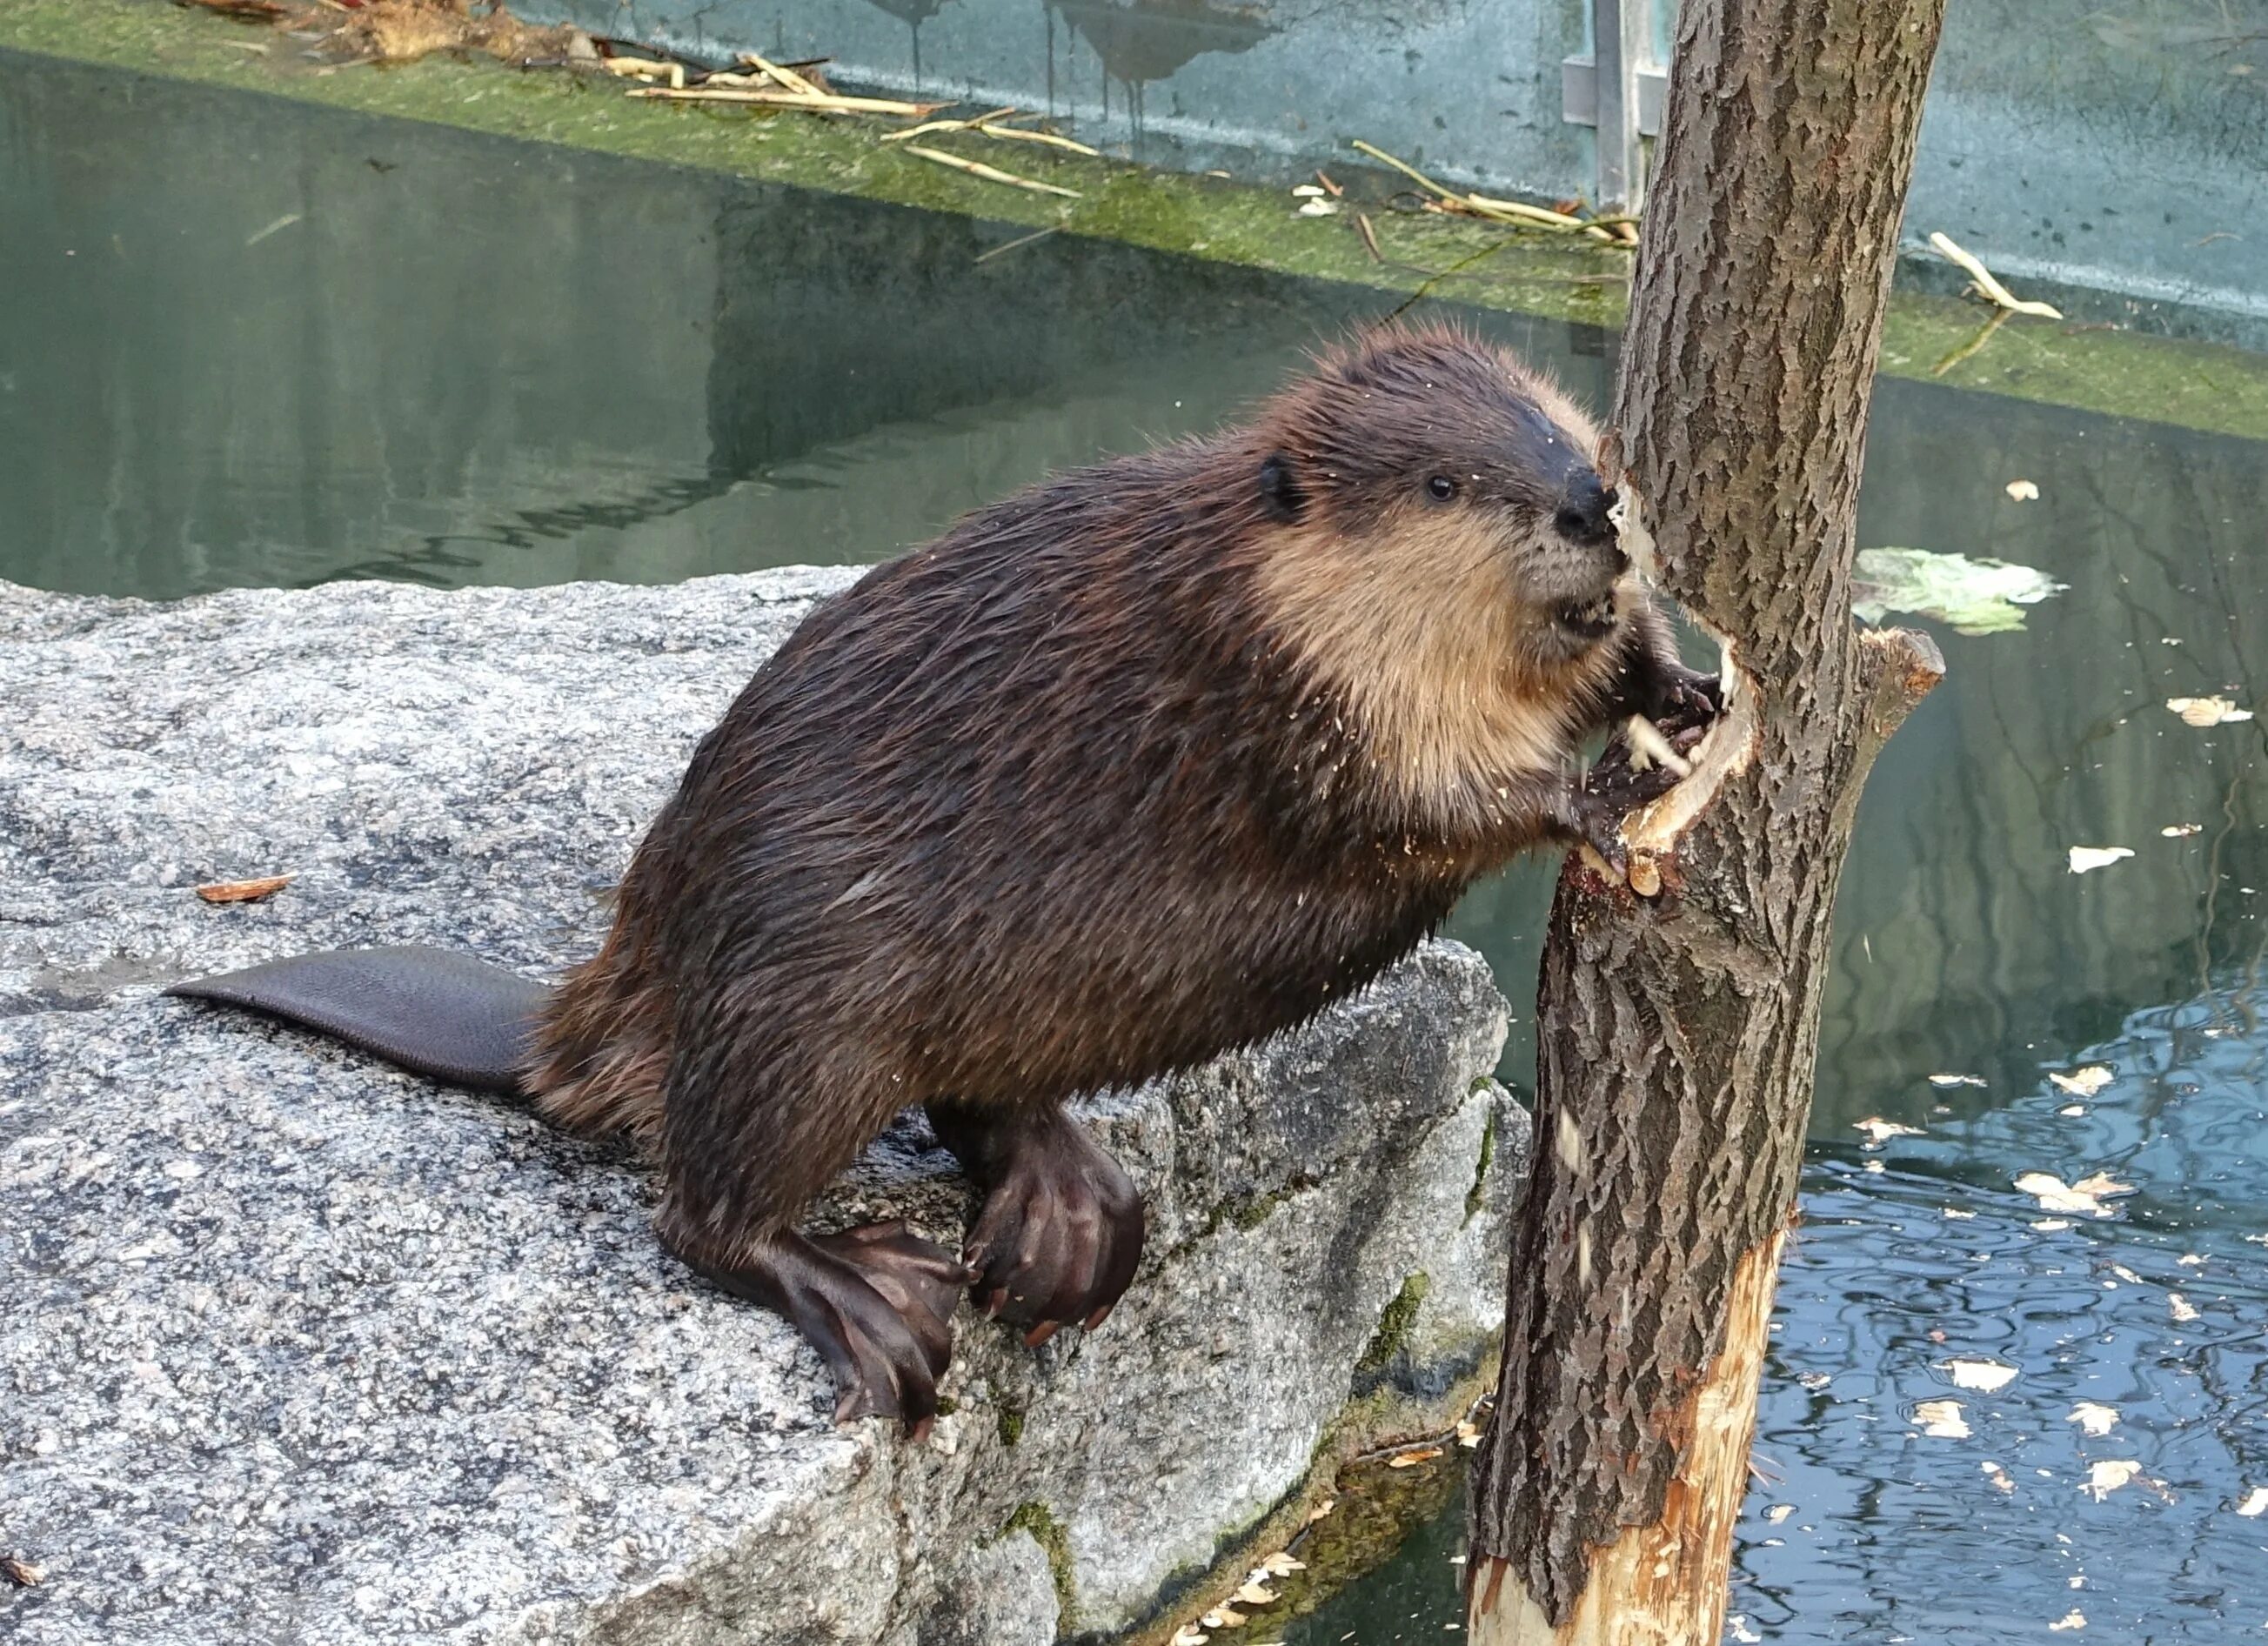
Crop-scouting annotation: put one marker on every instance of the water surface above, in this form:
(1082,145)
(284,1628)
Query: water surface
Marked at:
(252,343)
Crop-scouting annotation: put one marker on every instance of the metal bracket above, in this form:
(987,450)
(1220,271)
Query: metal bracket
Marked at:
(1619,94)
(1579,95)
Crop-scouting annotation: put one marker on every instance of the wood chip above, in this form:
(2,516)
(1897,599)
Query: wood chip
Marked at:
(243,891)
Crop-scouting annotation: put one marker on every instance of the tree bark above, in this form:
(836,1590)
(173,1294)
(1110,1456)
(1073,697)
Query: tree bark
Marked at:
(1679,1030)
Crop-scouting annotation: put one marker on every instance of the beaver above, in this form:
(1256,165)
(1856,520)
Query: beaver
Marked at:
(1155,759)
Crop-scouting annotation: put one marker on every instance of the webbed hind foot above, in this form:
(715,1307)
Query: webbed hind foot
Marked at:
(1060,1233)
(875,1301)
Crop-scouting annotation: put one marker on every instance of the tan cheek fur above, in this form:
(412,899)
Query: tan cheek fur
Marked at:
(1415,623)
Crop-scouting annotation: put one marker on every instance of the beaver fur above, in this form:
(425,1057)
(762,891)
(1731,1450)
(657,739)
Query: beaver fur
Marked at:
(1151,761)
(1154,760)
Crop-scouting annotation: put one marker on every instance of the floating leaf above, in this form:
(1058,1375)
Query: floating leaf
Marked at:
(1255,1591)
(1987,1376)
(2051,1225)
(2083,1082)
(2255,1504)
(2206,711)
(2183,1310)
(1222,1616)
(2073,1619)
(1943,1419)
(1956,1080)
(1189,1635)
(2181,831)
(2022,490)
(1412,1459)
(2055,1196)
(1282,1563)
(1778,1512)
(1976,597)
(1880,1131)
(1999,1476)
(2107,1476)
(2094,1419)
(2086,857)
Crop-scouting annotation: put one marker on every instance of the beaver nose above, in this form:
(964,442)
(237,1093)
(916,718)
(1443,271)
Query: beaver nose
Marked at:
(1581,517)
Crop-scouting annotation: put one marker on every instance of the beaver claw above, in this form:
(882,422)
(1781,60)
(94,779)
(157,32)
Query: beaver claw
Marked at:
(875,1301)
(1060,1234)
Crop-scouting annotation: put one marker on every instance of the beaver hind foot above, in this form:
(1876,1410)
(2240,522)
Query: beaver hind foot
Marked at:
(876,1302)
(1060,1234)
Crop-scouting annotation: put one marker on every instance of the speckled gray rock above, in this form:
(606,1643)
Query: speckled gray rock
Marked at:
(298,1348)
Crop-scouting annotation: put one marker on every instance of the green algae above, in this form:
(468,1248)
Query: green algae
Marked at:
(1048,1531)
(2121,374)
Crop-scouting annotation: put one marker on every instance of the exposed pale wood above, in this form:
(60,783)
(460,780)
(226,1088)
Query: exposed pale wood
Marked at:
(1664,1583)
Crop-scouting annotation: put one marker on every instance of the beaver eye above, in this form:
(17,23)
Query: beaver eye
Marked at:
(1441,488)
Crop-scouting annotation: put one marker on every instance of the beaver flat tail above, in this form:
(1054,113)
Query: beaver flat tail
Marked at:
(444,1016)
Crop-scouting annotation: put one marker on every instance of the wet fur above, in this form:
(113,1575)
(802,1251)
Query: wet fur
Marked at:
(1154,760)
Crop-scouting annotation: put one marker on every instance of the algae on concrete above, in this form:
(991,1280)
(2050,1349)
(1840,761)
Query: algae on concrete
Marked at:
(2117,374)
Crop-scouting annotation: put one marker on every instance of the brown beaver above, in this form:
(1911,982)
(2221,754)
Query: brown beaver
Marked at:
(1154,760)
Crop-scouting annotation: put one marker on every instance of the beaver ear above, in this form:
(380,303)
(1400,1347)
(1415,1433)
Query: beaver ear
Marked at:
(1280,492)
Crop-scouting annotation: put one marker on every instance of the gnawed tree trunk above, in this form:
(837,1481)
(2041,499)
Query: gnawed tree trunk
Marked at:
(1678,1034)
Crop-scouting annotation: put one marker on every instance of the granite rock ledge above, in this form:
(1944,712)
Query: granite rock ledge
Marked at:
(298,1348)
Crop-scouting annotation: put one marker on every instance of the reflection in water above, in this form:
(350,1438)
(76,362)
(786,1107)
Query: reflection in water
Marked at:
(467,361)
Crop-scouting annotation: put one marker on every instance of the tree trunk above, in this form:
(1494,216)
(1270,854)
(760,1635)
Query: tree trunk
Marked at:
(1678,1031)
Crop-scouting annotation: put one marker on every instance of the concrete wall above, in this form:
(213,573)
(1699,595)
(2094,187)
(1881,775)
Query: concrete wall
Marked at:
(2118,147)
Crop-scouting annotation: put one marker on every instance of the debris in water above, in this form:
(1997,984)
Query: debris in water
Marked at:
(2107,1476)
(1410,1459)
(1976,597)
(2073,1619)
(1943,1419)
(2022,490)
(1949,1080)
(2206,711)
(1985,1376)
(25,1574)
(2094,1418)
(1880,1131)
(2085,858)
(2181,1309)
(2255,1504)
(2082,1083)
(2055,1196)
(2181,831)
(1778,1513)
(1999,1476)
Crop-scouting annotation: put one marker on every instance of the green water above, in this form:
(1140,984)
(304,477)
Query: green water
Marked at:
(252,343)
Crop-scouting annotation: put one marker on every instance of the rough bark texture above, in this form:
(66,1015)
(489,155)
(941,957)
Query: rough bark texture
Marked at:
(1679,1033)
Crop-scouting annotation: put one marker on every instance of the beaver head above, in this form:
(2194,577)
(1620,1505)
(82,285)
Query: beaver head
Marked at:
(1467,473)
(1437,545)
